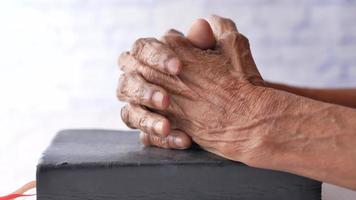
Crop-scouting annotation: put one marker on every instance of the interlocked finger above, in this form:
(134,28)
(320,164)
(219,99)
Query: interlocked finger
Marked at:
(129,64)
(135,116)
(133,88)
(157,55)
(175,140)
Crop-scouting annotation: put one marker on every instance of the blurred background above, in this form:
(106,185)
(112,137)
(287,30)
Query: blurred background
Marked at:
(58,60)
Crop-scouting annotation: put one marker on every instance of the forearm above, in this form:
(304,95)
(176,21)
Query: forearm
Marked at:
(310,138)
(345,97)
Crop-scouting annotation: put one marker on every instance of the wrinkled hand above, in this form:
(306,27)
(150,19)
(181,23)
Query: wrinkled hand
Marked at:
(216,97)
(155,128)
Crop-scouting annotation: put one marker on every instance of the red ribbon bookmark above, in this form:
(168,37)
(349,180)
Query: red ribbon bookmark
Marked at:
(20,192)
(14,196)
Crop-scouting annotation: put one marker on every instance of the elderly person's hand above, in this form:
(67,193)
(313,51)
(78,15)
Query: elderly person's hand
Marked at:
(217,98)
(155,129)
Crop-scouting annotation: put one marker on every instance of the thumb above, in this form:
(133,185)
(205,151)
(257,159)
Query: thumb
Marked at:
(221,26)
(236,46)
(201,35)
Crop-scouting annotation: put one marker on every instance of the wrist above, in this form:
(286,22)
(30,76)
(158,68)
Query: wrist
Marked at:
(306,137)
(253,128)
(276,118)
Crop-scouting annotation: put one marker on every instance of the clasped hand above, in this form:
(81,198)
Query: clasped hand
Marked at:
(178,92)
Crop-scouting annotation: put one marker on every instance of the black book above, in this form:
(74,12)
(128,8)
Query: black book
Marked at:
(108,165)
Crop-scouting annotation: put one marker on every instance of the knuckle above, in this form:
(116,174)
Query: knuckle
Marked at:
(131,87)
(230,23)
(159,141)
(141,93)
(172,39)
(125,116)
(120,87)
(166,38)
(143,122)
(134,75)
(122,58)
(163,142)
(149,73)
(138,46)
(244,40)
(128,63)
(173,31)
(155,58)
(140,43)
(151,40)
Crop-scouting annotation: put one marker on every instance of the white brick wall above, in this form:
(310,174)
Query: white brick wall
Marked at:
(57,63)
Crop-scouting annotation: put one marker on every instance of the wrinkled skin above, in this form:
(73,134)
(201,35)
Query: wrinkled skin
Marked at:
(215,97)
(177,92)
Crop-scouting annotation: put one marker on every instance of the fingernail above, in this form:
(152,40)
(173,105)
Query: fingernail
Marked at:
(173,65)
(178,141)
(157,98)
(158,127)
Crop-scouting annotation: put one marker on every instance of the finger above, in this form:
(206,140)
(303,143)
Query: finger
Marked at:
(175,140)
(135,116)
(133,88)
(176,41)
(229,40)
(201,35)
(130,64)
(221,25)
(236,46)
(174,32)
(154,53)
(173,38)
(171,83)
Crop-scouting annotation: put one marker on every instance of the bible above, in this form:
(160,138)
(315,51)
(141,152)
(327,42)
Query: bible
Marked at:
(108,164)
